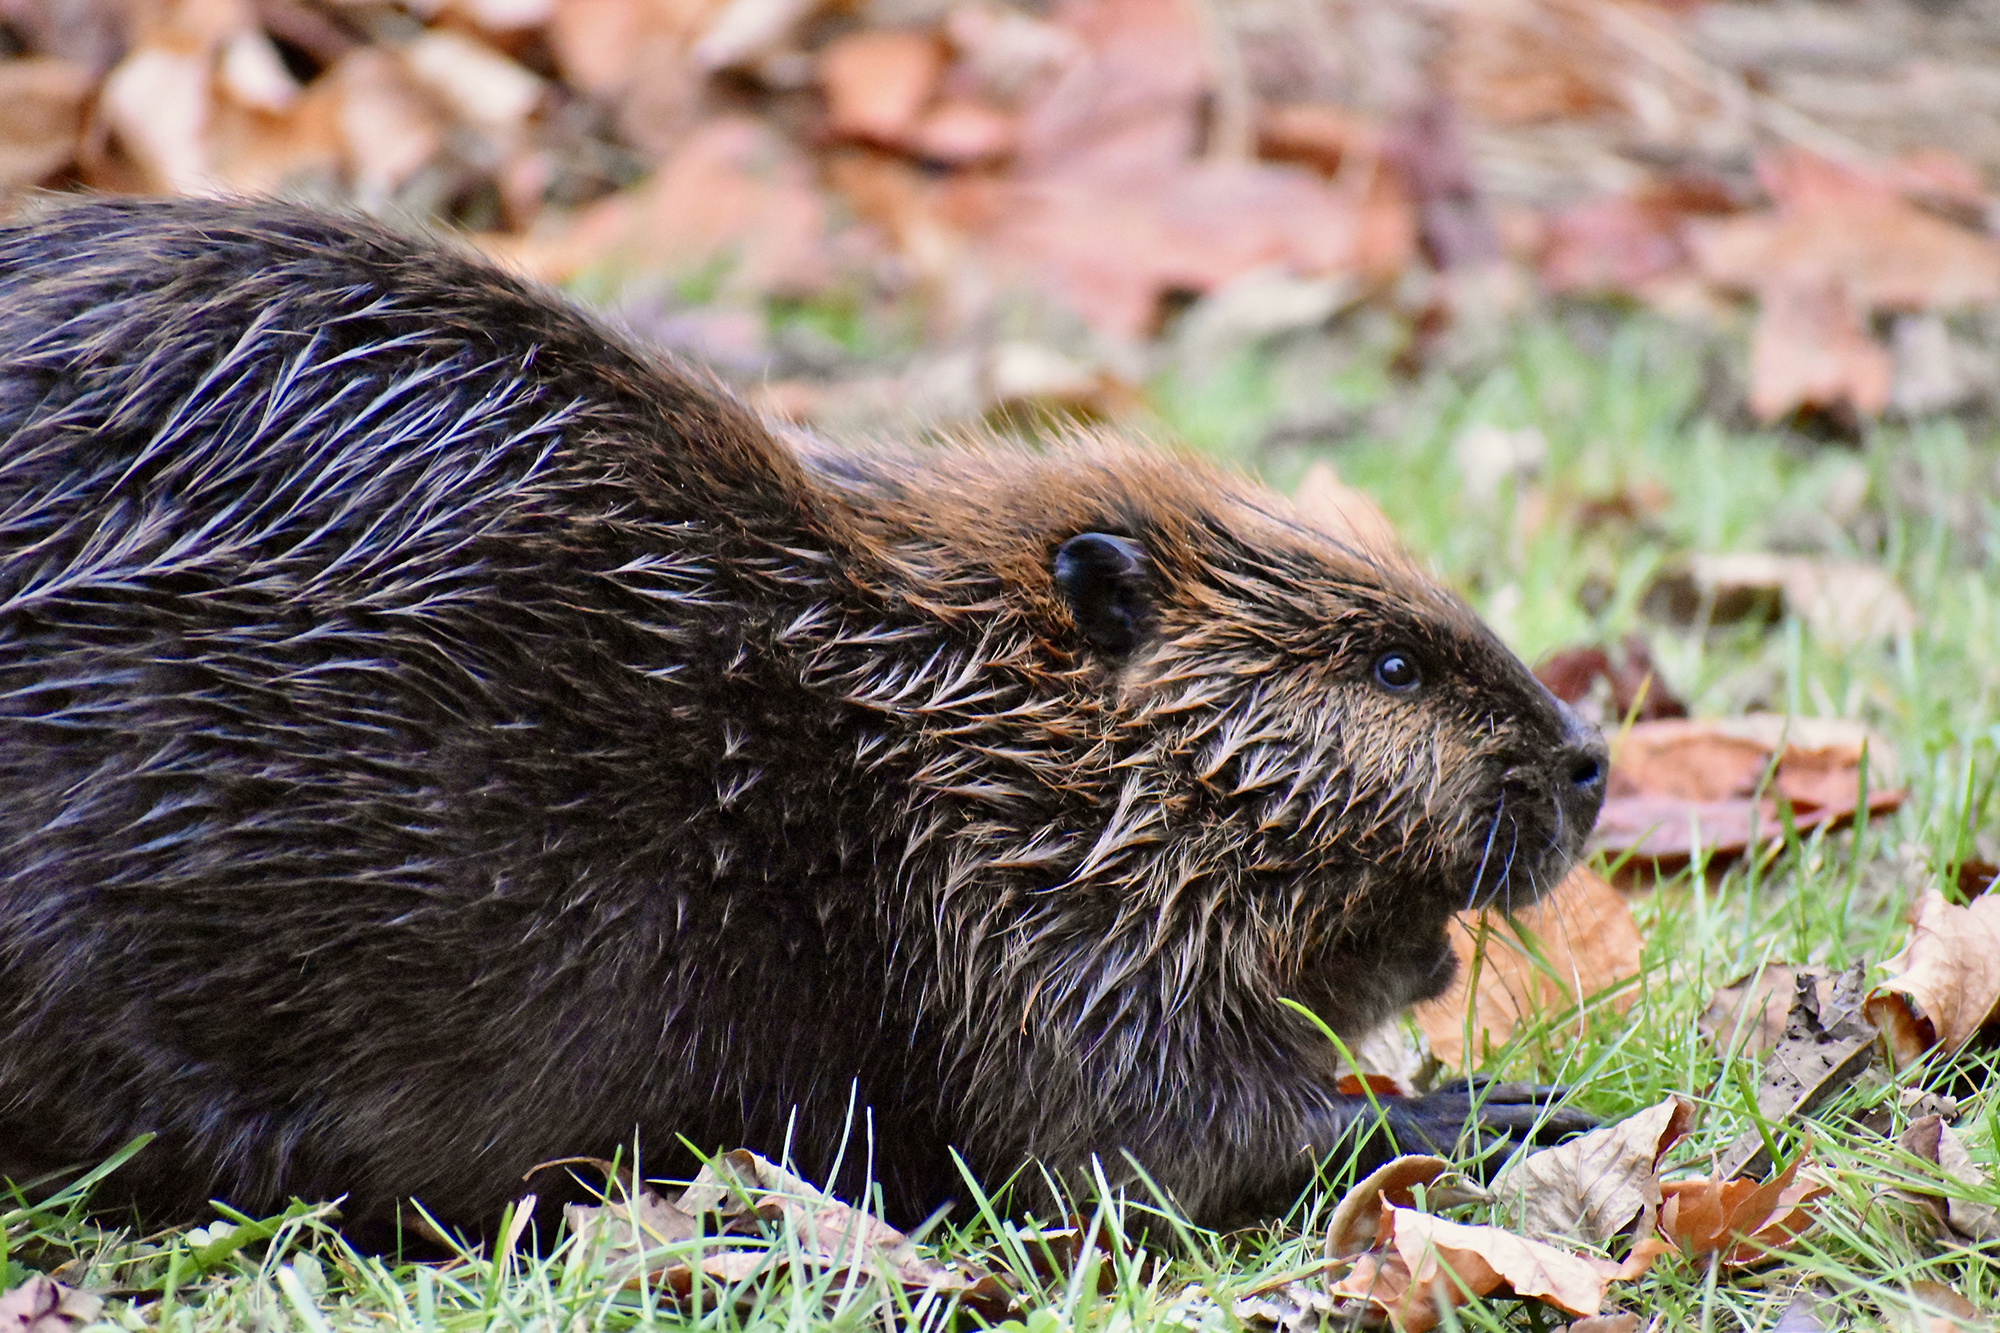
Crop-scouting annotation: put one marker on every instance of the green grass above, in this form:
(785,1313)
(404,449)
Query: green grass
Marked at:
(1623,417)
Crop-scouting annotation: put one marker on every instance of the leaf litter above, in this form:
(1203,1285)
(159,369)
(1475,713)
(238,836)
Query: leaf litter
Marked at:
(1108,158)
(744,1216)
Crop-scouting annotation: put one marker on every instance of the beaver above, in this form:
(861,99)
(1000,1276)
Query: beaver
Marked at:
(440,736)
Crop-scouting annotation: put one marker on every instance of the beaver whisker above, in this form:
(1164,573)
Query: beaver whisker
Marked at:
(1479,874)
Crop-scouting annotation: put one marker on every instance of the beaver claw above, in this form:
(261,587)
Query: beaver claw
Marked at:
(1480,1123)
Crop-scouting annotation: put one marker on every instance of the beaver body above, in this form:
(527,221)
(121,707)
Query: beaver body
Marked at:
(438,737)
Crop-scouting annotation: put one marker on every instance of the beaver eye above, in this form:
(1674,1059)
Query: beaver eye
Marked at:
(1396,672)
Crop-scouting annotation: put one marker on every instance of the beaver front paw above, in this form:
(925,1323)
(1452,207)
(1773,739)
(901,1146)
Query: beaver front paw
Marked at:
(1477,1123)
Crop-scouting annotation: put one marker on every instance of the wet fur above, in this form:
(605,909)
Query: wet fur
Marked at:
(439,737)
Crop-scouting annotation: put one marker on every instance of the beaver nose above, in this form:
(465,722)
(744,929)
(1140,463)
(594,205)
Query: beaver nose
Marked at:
(1585,762)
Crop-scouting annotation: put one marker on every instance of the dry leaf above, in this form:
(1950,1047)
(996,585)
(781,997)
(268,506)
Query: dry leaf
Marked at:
(1631,689)
(1593,1187)
(157,105)
(1839,248)
(1825,1045)
(1845,602)
(743,30)
(481,87)
(1930,1139)
(734,194)
(1748,1015)
(1739,1219)
(1357,1218)
(1424,1263)
(1679,785)
(1625,243)
(388,129)
(44,1305)
(748,1195)
(1945,984)
(1583,930)
(878,82)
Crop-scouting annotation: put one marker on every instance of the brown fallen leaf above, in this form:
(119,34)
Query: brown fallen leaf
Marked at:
(44,1305)
(1423,1264)
(1943,1309)
(1626,243)
(1586,941)
(1825,1045)
(1945,984)
(1840,246)
(1748,1015)
(734,195)
(1357,1218)
(1594,1187)
(1679,785)
(878,81)
(1739,1220)
(748,1197)
(1931,1140)
(1631,690)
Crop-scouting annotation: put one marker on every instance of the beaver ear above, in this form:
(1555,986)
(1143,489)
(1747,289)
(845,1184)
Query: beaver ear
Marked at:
(1104,580)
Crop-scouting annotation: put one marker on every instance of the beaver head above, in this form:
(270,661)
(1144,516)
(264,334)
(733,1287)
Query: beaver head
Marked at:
(1179,715)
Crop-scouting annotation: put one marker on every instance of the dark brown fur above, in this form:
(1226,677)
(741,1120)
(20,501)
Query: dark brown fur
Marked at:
(437,738)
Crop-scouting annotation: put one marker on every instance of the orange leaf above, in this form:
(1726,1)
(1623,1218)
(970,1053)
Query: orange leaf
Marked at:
(1743,1218)
(1585,932)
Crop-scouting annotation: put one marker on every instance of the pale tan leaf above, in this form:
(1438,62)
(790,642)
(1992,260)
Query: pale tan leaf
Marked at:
(157,104)
(1430,1263)
(1593,1187)
(1945,984)
(476,82)
(43,1305)
(1930,1139)
(1357,1217)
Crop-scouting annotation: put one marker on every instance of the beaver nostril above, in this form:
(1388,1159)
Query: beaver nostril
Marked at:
(1587,770)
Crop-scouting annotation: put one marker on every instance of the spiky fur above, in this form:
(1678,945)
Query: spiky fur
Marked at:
(438,737)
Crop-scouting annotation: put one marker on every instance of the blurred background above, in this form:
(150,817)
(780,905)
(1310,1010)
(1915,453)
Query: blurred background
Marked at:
(923,211)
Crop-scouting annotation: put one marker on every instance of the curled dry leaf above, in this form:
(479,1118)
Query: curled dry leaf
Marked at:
(1574,944)
(1741,1220)
(1594,1187)
(1945,984)
(1931,1140)
(1357,1217)
(663,1244)
(44,1305)
(1424,1263)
